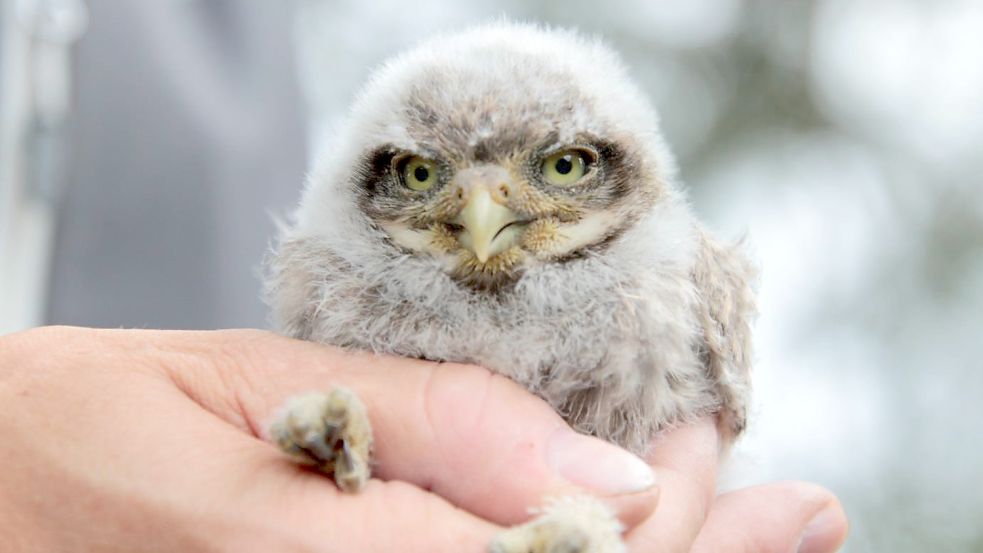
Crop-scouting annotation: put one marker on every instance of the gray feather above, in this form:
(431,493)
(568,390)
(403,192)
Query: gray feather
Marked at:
(649,331)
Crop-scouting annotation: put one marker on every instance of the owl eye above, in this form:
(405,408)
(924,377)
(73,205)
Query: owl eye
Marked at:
(565,167)
(419,174)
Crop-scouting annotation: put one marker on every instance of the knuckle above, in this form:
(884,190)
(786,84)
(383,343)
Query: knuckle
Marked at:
(483,423)
(24,351)
(470,404)
(46,334)
(455,401)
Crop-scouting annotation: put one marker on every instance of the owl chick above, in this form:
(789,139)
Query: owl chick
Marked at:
(504,197)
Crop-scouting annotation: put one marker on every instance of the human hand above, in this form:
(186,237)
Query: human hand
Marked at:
(781,517)
(137,440)
(143,440)
(468,462)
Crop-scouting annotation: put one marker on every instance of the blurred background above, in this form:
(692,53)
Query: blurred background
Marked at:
(147,145)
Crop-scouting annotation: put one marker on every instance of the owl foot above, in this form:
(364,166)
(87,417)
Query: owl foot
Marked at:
(567,525)
(329,431)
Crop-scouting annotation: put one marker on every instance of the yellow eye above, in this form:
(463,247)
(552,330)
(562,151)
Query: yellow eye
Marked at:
(565,167)
(419,174)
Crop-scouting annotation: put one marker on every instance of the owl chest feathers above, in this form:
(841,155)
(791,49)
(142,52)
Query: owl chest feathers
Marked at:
(610,340)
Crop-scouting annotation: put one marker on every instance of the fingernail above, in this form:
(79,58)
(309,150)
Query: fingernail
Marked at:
(597,465)
(818,537)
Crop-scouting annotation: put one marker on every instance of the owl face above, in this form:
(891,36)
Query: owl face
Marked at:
(492,154)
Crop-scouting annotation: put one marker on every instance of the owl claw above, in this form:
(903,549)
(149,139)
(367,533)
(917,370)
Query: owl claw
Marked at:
(329,431)
(567,525)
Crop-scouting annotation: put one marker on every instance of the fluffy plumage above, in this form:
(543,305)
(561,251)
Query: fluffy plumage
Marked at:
(610,301)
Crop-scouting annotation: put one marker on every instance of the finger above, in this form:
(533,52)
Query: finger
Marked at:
(685,459)
(249,497)
(285,504)
(476,439)
(774,518)
(109,454)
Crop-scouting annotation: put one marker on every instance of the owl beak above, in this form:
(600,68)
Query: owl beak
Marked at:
(489,226)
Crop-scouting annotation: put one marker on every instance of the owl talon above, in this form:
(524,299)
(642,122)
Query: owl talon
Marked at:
(329,431)
(568,525)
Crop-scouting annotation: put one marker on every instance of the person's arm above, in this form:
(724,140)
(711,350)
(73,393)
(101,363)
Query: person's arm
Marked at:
(150,440)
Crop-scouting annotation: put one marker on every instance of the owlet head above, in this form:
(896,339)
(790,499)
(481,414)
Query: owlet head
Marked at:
(504,147)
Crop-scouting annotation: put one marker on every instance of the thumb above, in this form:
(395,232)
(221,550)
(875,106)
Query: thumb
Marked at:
(474,438)
(780,517)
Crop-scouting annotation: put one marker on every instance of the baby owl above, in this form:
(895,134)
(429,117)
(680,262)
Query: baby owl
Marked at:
(504,197)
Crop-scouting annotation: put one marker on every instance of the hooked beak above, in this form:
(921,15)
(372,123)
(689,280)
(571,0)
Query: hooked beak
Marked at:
(489,226)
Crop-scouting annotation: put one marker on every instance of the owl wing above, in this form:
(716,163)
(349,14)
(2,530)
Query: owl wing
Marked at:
(291,287)
(311,291)
(723,276)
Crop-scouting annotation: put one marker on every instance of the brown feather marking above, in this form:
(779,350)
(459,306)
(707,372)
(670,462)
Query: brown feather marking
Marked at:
(723,277)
